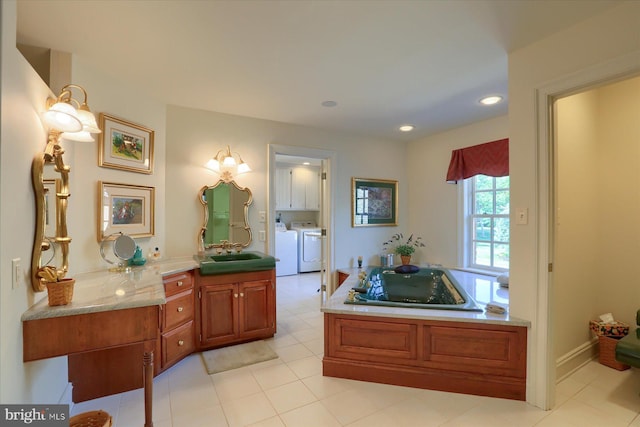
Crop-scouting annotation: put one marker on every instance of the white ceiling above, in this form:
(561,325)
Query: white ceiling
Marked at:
(385,62)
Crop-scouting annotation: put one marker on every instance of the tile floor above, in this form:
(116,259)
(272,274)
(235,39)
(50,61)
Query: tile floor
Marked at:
(291,391)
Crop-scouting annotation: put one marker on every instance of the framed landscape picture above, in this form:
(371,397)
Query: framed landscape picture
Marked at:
(374,202)
(126,209)
(124,145)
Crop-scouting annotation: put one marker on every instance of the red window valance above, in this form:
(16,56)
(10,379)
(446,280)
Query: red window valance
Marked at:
(491,159)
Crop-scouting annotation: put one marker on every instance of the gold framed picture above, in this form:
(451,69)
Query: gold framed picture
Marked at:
(124,208)
(124,145)
(374,202)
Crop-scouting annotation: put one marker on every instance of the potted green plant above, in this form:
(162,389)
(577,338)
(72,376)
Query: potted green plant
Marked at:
(404,248)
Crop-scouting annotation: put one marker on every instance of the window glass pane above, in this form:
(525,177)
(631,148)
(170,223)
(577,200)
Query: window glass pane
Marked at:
(502,202)
(502,182)
(482,253)
(501,255)
(484,203)
(482,229)
(501,230)
(483,182)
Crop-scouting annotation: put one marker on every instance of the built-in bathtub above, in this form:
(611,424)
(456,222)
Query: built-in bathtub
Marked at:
(429,288)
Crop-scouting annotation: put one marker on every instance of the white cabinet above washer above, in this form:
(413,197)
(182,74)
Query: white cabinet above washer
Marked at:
(298,188)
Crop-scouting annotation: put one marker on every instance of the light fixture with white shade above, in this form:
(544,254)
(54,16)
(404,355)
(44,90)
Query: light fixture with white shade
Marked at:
(69,119)
(225,164)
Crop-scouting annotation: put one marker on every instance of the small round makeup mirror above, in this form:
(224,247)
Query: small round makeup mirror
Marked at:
(124,247)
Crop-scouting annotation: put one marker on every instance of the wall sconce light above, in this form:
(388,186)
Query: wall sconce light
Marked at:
(68,119)
(225,164)
(76,124)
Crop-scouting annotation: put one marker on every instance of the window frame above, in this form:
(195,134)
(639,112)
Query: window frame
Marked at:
(465,228)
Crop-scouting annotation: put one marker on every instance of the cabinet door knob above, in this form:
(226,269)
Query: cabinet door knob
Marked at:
(180,309)
(181,343)
(241,294)
(235,295)
(179,283)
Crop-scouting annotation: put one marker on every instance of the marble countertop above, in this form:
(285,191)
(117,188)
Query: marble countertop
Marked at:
(482,288)
(105,291)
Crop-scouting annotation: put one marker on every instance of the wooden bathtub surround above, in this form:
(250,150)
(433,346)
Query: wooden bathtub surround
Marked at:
(463,357)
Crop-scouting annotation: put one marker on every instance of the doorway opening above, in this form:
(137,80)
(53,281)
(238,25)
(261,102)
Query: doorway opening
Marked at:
(544,357)
(300,199)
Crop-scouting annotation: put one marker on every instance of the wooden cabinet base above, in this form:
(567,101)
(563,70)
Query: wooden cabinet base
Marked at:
(472,358)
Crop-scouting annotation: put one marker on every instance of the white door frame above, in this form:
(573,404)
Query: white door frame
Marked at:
(327,211)
(543,359)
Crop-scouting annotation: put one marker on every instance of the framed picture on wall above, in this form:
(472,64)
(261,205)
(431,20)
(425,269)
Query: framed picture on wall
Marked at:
(126,209)
(124,145)
(374,202)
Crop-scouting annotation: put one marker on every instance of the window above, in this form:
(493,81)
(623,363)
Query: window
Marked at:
(486,223)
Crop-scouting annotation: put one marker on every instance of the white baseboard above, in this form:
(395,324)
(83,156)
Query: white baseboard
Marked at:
(575,359)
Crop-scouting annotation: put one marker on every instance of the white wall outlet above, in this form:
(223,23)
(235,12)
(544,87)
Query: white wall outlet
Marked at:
(522,216)
(262,235)
(16,273)
(263,216)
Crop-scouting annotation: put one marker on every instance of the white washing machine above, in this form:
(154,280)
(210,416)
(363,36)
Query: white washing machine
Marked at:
(309,246)
(286,251)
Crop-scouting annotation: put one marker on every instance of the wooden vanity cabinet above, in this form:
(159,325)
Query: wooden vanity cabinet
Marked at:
(177,326)
(235,307)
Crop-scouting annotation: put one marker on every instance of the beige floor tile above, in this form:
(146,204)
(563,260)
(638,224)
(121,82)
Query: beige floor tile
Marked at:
(274,376)
(290,396)
(206,417)
(248,410)
(349,406)
(312,415)
(269,422)
(235,384)
(293,352)
(307,367)
(323,387)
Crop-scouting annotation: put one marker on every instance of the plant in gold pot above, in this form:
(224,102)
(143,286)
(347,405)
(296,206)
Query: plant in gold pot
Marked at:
(404,248)
(59,288)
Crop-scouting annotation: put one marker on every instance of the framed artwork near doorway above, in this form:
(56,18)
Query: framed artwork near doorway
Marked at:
(374,202)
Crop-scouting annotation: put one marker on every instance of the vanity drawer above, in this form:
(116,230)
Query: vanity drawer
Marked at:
(178,310)
(177,283)
(177,344)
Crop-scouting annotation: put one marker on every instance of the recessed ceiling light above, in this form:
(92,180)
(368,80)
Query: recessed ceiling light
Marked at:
(490,100)
(406,128)
(329,103)
(306,163)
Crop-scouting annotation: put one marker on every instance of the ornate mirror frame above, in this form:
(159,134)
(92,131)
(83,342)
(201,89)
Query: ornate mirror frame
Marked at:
(224,244)
(41,243)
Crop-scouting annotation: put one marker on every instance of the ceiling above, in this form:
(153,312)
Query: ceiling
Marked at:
(384,62)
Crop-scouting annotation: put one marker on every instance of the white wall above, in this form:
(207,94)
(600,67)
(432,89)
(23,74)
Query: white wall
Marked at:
(559,58)
(21,137)
(116,98)
(433,205)
(194,136)
(578,200)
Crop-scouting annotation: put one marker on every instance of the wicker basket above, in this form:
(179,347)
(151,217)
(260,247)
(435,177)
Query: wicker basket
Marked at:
(60,293)
(608,353)
(91,419)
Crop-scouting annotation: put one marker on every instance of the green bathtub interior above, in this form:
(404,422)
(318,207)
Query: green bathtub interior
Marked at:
(428,288)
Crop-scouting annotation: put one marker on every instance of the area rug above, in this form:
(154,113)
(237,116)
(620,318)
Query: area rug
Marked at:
(237,356)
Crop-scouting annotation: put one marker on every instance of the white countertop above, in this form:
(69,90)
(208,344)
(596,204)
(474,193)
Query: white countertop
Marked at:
(483,289)
(105,291)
